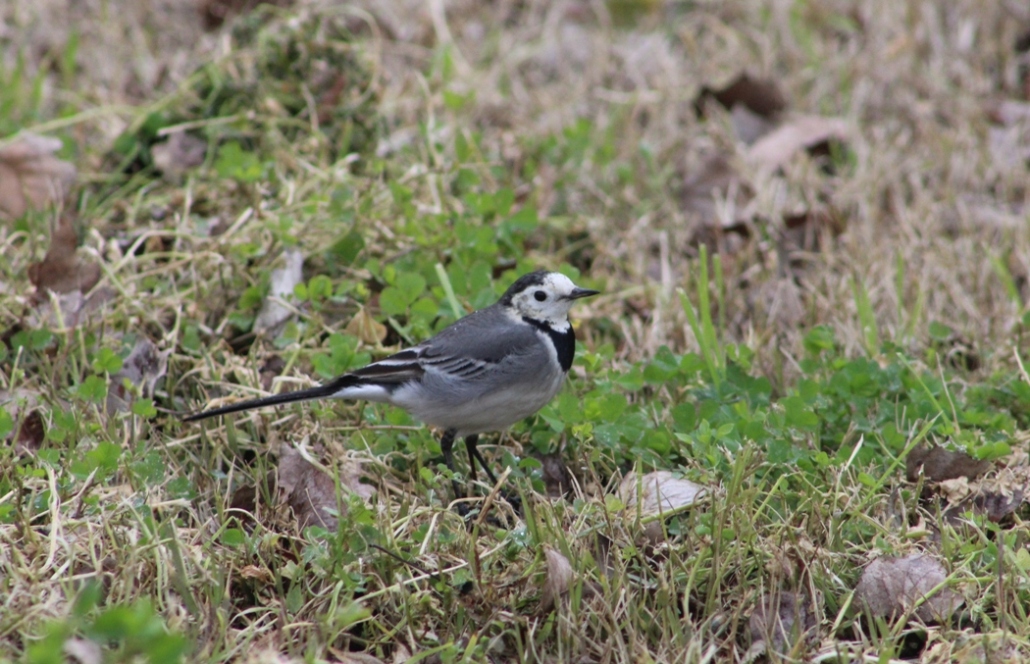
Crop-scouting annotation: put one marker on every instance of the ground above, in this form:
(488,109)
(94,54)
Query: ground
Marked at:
(795,429)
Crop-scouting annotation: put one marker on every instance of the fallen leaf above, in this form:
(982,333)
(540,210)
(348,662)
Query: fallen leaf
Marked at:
(938,464)
(761,96)
(359,658)
(144,366)
(556,475)
(262,574)
(31,177)
(311,492)
(997,495)
(891,587)
(779,621)
(216,12)
(401,654)
(271,369)
(811,133)
(658,493)
(717,194)
(181,152)
(268,655)
(748,125)
(31,433)
(559,577)
(68,310)
(281,284)
(84,651)
(62,270)
(29,429)
(365,327)
(308,490)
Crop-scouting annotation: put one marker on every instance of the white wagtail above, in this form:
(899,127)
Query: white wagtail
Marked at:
(483,373)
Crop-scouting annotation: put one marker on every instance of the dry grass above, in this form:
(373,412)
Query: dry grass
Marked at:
(588,116)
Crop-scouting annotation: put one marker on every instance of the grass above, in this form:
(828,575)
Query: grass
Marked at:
(464,148)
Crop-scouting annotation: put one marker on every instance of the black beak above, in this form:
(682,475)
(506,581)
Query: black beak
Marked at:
(580,292)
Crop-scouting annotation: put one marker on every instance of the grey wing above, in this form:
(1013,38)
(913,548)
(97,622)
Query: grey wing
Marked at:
(478,344)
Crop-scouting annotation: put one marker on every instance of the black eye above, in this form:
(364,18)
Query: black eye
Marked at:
(540,296)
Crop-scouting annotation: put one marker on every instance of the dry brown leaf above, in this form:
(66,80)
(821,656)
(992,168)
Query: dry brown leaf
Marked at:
(271,369)
(365,327)
(281,284)
(30,430)
(716,193)
(262,574)
(559,577)
(217,12)
(308,490)
(779,621)
(68,310)
(997,495)
(556,475)
(658,493)
(31,177)
(891,587)
(144,366)
(178,154)
(62,270)
(311,492)
(761,96)
(31,433)
(938,464)
(800,133)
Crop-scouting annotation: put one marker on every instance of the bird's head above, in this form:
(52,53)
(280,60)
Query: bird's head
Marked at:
(544,296)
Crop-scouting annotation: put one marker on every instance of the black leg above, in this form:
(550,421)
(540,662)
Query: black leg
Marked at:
(447,447)
(471,443)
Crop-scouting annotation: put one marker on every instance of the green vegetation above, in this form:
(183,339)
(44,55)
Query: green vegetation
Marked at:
(418,179)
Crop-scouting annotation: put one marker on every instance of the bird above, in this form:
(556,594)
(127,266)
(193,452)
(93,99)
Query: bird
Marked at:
(486,371)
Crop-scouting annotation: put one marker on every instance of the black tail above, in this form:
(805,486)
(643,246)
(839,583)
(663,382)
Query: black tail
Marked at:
(319,392)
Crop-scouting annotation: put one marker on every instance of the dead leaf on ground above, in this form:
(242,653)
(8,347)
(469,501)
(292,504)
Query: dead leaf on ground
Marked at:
(311,492)
(68,310)
(216,12)
(938,464)
(62,270)
(802,133)
(761,96)
(271,369)
(181,152)
(84,651)
(358,658)
(29,428)
(365,327)
(779,621)
(556,475)
(31,177)
(282,282)
(144,366)
(559,577)
(716,193)
(997,495)
(260,574)
(891,587)
(658,493)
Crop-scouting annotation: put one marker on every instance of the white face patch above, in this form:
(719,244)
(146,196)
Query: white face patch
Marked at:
(548,301)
